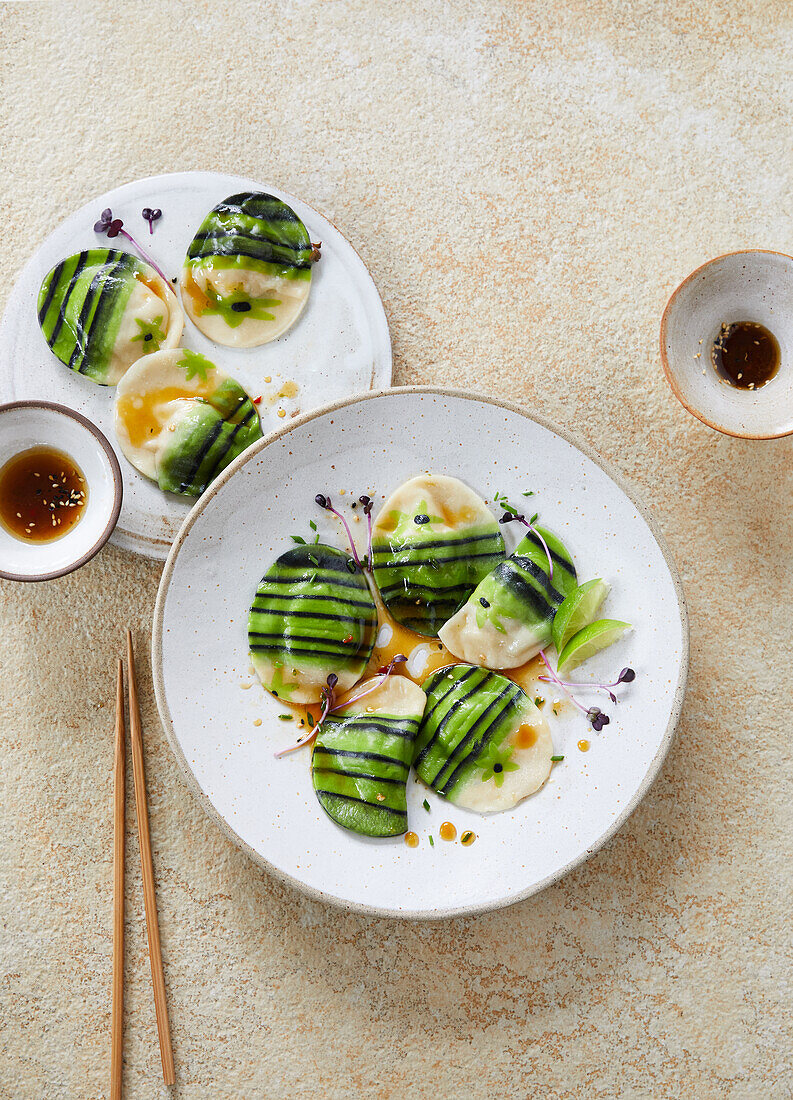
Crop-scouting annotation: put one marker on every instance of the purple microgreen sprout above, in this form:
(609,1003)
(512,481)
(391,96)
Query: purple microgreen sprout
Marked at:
(326,503)
(330,703)
(151,216)
(328,697)
(627,676)
(397,659)
(511,514)
(595,716)
(114,227)
(368,504)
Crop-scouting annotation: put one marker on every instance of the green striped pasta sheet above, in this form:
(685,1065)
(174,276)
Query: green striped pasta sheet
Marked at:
(482,744)
(102,310)
(508,618)
(361,759)
(433,542)
(180,421)
(247,274)
(313,615)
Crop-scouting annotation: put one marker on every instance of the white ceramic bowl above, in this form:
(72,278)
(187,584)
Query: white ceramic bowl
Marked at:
(225,731)
(740,286)
(25,424)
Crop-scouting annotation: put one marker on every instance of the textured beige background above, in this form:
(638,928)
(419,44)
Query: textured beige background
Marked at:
(527,183)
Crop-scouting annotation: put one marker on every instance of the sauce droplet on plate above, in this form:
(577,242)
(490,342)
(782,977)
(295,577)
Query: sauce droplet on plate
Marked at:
(467,838)
(583,745)
(412,840)
(447,831)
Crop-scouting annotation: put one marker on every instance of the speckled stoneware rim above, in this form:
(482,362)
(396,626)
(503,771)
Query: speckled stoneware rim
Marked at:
(192,782)
(670,374)
(118,489)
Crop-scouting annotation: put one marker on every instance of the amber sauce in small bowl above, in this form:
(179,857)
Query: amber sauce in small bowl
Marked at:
(43,494)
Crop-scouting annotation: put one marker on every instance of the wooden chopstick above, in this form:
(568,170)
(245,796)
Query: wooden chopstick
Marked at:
(152,925)
(119,798)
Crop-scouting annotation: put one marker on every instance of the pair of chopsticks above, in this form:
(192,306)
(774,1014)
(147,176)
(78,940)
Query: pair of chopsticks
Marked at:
(149,897)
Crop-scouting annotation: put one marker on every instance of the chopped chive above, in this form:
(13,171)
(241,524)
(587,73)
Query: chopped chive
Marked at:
(310,717)
(466,836)
(426,805)
(538,700)
(312,525)
(432,842)
(286,717)
(529,494)
(299,539)
(556,759)
(534,518)
(313,559)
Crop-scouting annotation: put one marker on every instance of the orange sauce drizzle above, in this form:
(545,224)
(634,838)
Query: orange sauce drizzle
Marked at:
(142,414)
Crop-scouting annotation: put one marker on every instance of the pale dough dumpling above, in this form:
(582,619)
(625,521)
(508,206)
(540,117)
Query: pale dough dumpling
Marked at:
(247,274)
(180,420)
(362,755)
(102,310)
(313,616)
(432,543)
(483,744)
(508,618)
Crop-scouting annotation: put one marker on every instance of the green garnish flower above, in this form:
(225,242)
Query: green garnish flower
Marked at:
(280,687)
(494,762)
(238,306)
(405,522)
(151,335)
(195,364)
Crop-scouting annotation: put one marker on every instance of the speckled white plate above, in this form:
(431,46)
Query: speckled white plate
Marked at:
(267,806)
(339,346)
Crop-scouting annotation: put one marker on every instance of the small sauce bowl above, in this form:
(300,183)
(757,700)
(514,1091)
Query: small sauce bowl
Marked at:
(28,424)
(752,286)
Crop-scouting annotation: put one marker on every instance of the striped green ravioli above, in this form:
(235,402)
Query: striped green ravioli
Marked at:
(362,756)
(312,616)
(433,541)
(180,420)
(482,742)
(247,273)
(508,618)
(102,310)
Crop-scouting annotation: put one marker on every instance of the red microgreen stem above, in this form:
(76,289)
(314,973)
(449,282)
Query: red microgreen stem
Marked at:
(325,502)
(330,705)
(114,227)
(511,513)
(381,679)
(368,504)
(554,679)
(144,254)
(328,699)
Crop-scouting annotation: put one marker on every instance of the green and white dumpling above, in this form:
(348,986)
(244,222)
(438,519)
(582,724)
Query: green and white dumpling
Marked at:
(433,542)
(247,273)
(482,744)
(313,616)
(362,756)
(180,420)
(509,616)
(102,310)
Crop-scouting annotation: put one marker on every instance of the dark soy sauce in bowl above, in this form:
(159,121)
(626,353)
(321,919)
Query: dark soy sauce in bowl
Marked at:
(745,354)
(43,494)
